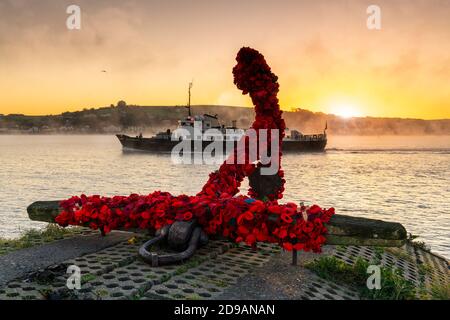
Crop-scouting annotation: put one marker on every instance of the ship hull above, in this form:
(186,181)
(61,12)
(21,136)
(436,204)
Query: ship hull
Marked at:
(166,146)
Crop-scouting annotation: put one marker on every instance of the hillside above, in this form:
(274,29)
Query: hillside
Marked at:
(150,119)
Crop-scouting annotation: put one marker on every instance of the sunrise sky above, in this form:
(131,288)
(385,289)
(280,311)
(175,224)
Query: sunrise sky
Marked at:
(326,58)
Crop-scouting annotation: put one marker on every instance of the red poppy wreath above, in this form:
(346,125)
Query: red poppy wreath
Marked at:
(217,207)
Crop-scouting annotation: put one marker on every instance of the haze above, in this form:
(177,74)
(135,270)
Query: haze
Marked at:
(326,58)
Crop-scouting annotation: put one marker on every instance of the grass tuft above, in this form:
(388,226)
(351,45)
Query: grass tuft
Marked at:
(393,285)
(440,292)
(87,277)
(30,238)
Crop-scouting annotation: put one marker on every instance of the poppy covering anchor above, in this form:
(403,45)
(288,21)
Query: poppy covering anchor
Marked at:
(182,236)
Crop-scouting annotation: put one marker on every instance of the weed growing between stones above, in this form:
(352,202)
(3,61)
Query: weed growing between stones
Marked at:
(191,263)
(417,244)
(30,238)
(87,277)
(440,292)
(393,285)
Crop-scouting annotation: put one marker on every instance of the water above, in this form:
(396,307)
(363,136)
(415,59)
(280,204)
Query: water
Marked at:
(403,179)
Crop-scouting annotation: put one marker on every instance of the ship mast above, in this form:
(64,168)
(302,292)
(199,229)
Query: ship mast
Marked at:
(189,98)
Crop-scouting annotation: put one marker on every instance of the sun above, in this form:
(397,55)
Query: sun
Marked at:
(344,110)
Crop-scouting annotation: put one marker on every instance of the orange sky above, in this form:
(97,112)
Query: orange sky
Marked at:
(325,57)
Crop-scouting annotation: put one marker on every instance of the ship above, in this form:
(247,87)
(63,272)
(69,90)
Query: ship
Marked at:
(202,130)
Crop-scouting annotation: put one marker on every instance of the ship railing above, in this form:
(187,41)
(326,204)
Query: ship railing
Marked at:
(311,137)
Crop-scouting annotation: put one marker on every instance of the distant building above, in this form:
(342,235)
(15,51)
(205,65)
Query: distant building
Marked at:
(121,104)
(112,129)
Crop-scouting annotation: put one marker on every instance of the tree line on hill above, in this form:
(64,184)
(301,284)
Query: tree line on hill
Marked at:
(125,118)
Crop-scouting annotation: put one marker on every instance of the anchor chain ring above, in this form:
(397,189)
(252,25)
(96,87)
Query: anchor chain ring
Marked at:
(182,236)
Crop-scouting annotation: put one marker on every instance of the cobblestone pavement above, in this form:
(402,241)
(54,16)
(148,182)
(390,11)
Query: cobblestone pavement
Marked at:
(218,270)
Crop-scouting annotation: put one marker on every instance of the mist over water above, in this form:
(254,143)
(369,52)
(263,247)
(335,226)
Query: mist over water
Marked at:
(401,179)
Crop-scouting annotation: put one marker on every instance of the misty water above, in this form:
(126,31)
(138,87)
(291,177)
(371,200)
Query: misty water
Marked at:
(402,179)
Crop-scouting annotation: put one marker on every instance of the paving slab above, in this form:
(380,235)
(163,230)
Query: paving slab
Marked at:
(280,280)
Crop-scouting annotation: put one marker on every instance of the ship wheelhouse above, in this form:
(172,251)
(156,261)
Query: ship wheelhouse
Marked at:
(207,128)
(298,136)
